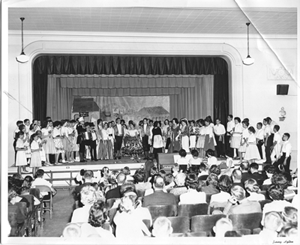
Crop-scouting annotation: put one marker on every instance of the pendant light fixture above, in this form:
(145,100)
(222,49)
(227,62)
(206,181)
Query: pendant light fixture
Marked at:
(22,58)
(248,61)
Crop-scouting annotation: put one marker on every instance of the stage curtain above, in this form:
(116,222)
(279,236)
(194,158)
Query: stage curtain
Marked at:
(50,64)
(59,100)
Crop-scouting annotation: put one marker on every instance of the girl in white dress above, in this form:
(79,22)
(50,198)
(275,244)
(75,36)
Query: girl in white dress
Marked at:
(49,146)
(245,135)
(252,152)
(35,147)
(236,136)
(192,134)
(201,137)
(184,134)
(209,136)
(57,140)
(111,137)
(21,160)
(106,143)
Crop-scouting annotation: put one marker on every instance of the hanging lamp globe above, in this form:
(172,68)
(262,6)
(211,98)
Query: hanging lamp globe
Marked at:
(22,58)
(248,61)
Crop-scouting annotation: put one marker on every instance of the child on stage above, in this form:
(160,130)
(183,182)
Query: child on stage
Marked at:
(35,147)
(21,160)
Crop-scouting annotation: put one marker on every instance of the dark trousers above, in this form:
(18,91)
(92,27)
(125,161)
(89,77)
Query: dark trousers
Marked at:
(92,147)
(259,146)
(118,143)
(268,148)
(155,153)
(220,146)
(168,142)
(286,167)
(145,143)
(228,150)
(82,150)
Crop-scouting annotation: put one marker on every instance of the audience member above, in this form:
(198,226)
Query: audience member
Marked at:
(140,185)
(192,196)
(162,227)
(179,187)
(211,184)
(222,226)
(203,171)
(270,170)
(159,197)
(72,230)
(290,216)
(214,169)
(169,182)
(260,178)
(239,204)
(39,180)
(115,192)
(252,188)
(272,224)
(237,178)
(282,180)
(244,167)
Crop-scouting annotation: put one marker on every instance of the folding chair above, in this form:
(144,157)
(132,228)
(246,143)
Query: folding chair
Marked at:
(180,224)
(44,188)
(204,223)
(162,210)
(246,221)
(190,210)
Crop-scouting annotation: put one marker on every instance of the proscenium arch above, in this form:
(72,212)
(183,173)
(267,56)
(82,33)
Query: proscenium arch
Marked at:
(152,47)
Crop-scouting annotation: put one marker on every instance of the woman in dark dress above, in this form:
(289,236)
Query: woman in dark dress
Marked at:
(175,141)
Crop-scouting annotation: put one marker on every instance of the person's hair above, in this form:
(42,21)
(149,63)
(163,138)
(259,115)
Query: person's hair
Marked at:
(236,174)
(168,179)
(39,173)
(88,174)
(287,134)
(150,121)
(277,127)
(131,123)
(214,169)
(139,176)
(26,120)
(251,129)
(98,214)
(156,123)
(127,203)
(254,165)
(260,124)
(22,127)
(127,187)
(158,182)
(176,120)
(182,153)
(121,177)
(180,179)
(191,181)
(289,231)
(212,179)
(19,122)
(202,167)
(162,173)
(208,119)
(200,184)
(225,183)
(195,153)
(201,121)
(126,170)
(237,119)
(223,223)
(17,176)
(28,178)
(238,192)
(19,134)
(244,165)
(56,123)
(230,116)
(88,195)
(273,221)
(122,121)
(72,230)
(276,192)
(192,121)
(251,185)
(246,122)
(280,179)
(162,227)
(210,152)
(270,169)
(290,215)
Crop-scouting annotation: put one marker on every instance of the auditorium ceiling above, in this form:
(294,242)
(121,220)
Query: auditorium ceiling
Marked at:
(268,21)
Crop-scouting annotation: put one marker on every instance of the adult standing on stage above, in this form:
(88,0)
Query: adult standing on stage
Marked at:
(219,131)
(229,132)
(80,139)
(157,141)
(145,133)
(175,142)
(119,134)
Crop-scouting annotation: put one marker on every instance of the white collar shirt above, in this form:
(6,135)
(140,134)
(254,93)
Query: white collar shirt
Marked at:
(219,129)
(230,126)
(287,148)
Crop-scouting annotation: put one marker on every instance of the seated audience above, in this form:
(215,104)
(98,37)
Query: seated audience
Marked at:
(115,192)
(236,177)
(220,199)
(126,171)
(194,162)
(211,159)
(214,169)
(203,171)
(39,180)
(211,184)
(162,227)
(290,216)
(222,226)
(272,224)
(179,187)
(252,188)
(282,180)
(169,182)
(88,198)
(192,196)
(182,161)
(140,185)
(269,170)
(239,204)
(260,178)
(159,197)
(96,220)
(244,167)
(128,224)
(88,180)
(72,230)
(289,231)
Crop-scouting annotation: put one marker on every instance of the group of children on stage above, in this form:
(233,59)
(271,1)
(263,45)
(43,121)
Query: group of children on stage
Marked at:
(35,142)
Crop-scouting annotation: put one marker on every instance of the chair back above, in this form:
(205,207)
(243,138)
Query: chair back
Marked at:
(208,198)
(110,202)
(246,221)
(43,188)
(180,224)
(200,223)
(30,199)
(35,192)
(162,210)
(190,210)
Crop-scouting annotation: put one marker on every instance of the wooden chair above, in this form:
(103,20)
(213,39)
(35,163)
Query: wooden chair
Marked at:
(246,221)
(204,223)
(196,234)
(263,202)
(180,224)
(190,210)
(244,232)
(162,210)
(44,208)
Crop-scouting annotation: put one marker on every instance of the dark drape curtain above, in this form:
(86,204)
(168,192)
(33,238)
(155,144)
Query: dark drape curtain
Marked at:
(140,65)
